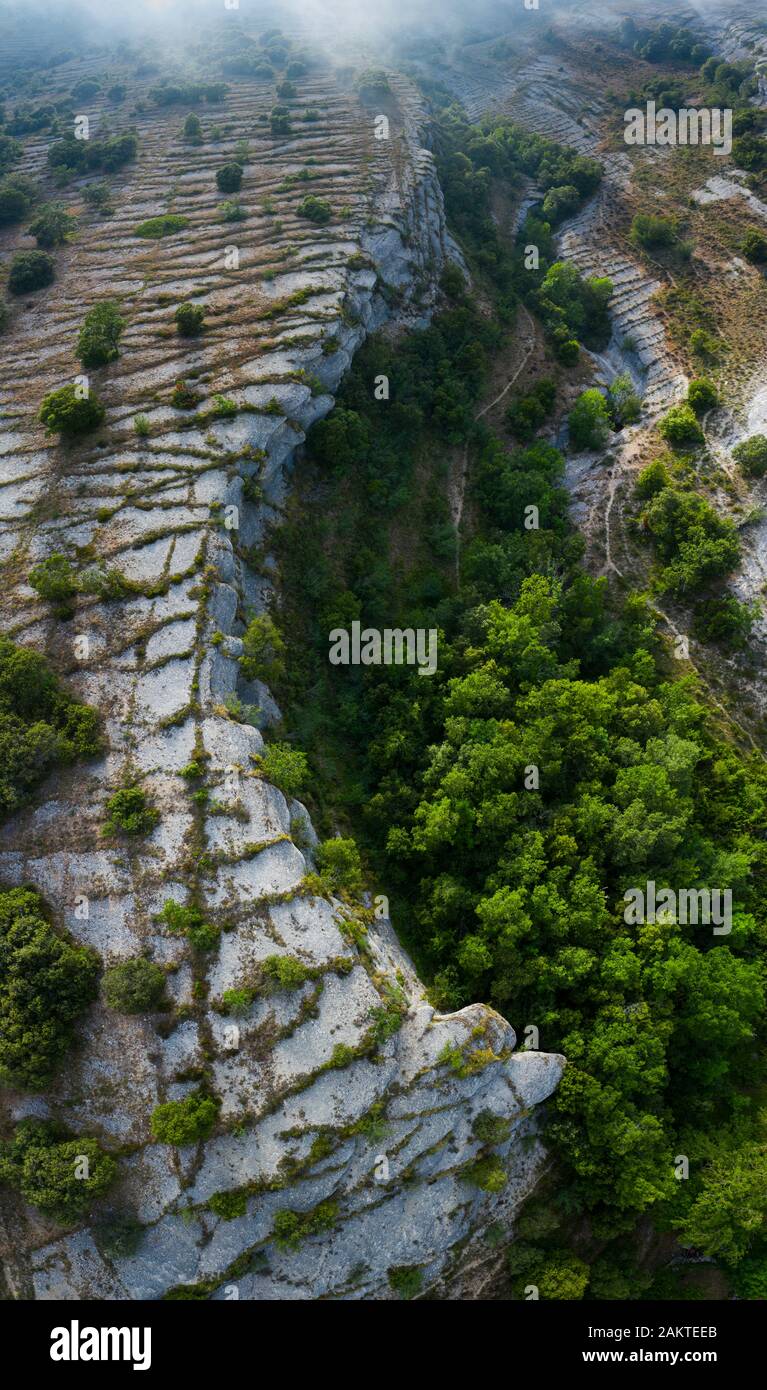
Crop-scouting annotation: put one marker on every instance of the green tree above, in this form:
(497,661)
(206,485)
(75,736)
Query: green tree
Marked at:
(751,454)
(60,1175)
(52,226)
(189,319)
(46,983)
(66,411)
(589,421)
(30,270)
(134,986)
(286,767)
(680,428)
(183,1122)
(100,334)
(229,177)
(130,812)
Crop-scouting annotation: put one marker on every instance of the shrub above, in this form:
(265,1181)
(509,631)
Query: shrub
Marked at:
(193,129)
(624,403)
(754,246)
(40,724)
(228,1205)
(702,395)
(589,421)
(236,1002)
(653,479)
(166,225)
(650,232)
(134,986)
(52,226)
(291,1228)
(99,335)
(14,203)
(141,426)
(54,580)
(488,1174)
(491,1129)
(188,921)
(284,972)
(405,1280)
(183,397)
(263,650)
(66,412)
(680,427)
(286,767)
(99,197)
(752,455)
(47,1166)
(725,621)
(279,122)
(30,270)
(182,1122)
(46,982)
(232,211)
(129,812)
(287,90)
(189,319)
(315,210)
(526,414)
(340,866)
(229,177)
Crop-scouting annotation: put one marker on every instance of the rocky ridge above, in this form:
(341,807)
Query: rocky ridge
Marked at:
(317,1106)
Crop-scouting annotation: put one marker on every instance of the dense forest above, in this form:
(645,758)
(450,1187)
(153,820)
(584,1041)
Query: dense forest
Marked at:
(556,759)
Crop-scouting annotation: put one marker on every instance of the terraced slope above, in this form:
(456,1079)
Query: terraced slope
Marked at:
(323,1098)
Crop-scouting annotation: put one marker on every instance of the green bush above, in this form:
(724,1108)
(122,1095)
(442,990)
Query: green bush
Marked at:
(680,428)
(232,211)
(286,90)
(183,1122)
(99,335)
(189,319)
(193,129)
(165,225)
(702,395)
(228,1205)
(187,920)
(754,246)
(48,1168)
(229,177)
(286,767)
(491,1129)
(527,413)
(589,421)
(263,650)
(130,812)
(291,1228)
(405,1280)
(14,203)
(52,226)
(752,455)
(624,402)
(488,1174)
(46,983)
(40,725)
(650,232)
(652,479)
(65,411)
(340,866)
(134,986)
(315,210)
(55,581)
(30,270)
(284,972)
(725,621)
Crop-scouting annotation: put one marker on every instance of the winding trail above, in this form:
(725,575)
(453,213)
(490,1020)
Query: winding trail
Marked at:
(458,492)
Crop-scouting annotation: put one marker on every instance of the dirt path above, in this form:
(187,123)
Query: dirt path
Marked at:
(458,487)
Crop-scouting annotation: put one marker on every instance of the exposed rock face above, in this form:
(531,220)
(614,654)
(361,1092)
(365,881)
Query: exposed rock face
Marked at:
(310,1111)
